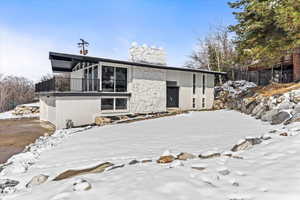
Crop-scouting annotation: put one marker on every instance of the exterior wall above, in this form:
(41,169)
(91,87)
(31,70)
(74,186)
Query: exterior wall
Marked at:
(148,89)
(185,82)
(48,109)
(81,110)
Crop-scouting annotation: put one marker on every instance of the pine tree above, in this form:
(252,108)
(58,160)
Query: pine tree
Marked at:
(266,29)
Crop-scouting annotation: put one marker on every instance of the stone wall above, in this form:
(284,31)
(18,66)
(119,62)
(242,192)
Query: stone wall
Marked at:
(148,90)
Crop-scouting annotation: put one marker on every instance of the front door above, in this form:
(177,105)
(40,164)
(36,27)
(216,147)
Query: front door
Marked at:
(172,97)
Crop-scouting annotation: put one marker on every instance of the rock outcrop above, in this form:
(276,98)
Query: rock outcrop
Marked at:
(276,103)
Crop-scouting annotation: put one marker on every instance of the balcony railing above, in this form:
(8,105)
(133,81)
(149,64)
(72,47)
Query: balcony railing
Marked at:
(58,84)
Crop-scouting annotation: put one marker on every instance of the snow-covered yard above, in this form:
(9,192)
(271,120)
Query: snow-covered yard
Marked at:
(267,171)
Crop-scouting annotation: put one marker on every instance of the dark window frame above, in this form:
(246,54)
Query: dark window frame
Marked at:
(194,83)
(116,78)
(194,103)
(203,84)
(105,108)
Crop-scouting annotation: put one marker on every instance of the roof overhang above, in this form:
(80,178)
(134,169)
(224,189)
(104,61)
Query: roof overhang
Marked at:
(62,62)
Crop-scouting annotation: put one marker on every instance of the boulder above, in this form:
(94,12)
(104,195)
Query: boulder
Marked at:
(81,185)
(209,154)
(283,134)
(246,144)
(223,171)
(166,159)
(133,162)
(100,121)
(185,156)
(285,105)
(280,117)
(296,109)
(5,183)
(71,173)
(294,118)
(37,180)
(267,116)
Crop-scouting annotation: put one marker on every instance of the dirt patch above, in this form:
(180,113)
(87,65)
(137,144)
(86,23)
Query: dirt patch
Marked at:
(15,135)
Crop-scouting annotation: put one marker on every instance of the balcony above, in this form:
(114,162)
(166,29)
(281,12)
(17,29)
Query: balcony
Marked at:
(59,84)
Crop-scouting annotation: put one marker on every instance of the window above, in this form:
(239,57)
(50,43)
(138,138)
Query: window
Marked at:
(121,79)
(96,81)
(194,103)
(194,83)
(107,104)
(203,102)
(121,104)
(108,82)
(114,79)
(203,84)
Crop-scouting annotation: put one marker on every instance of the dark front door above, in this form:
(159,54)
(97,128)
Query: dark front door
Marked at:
(172,97)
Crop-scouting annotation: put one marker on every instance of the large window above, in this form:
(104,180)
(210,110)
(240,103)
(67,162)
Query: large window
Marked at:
(108,83)
(107,104)
(114,79)
(121,104)
(112,104)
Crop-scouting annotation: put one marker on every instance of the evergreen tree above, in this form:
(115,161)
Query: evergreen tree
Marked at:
(266,29)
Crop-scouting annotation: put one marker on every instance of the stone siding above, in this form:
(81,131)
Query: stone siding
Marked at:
(148,90)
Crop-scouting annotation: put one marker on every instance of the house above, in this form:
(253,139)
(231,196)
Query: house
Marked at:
(87,87)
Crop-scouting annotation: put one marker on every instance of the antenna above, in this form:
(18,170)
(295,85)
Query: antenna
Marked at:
(83,44)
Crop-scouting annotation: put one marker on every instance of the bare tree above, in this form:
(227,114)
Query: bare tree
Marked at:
(215,52)
(15,90)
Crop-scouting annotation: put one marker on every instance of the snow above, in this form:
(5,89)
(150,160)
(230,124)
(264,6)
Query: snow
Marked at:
(9,115)
(269,170)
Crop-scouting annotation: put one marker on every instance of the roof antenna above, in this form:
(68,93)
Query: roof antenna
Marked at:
(83,44)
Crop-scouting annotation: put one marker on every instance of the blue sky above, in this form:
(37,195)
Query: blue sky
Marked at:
(32,28)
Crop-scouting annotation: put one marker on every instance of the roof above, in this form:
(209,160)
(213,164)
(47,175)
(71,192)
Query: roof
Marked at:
(62,62)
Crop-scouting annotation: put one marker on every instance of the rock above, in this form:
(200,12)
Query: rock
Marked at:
(185,156)
(245,144)
(166,159)
(283,134)
(223,171)
(280,117)
(146,161)
(209,154)
(199,167)
(133,162)
(296,109)
(37,180)
(267,116)
(4,183)
(285,106)
(81,185)
(100,121)
(295,118)
(266,136)
(71,173)
(116,167)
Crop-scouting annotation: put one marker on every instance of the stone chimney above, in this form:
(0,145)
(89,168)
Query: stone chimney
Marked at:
(296,64)
(147,54)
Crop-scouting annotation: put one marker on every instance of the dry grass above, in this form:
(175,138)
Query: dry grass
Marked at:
(276,89)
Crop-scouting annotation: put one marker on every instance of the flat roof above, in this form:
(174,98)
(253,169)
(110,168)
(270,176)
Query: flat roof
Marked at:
(62,62)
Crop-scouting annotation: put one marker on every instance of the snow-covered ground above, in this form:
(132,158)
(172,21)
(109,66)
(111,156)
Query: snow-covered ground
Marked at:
(10,115)
(267,171)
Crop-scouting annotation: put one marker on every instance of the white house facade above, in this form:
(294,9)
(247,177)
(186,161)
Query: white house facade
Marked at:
(89,87)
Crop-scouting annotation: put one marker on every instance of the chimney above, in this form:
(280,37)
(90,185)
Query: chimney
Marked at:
(296,64)
(147,54)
